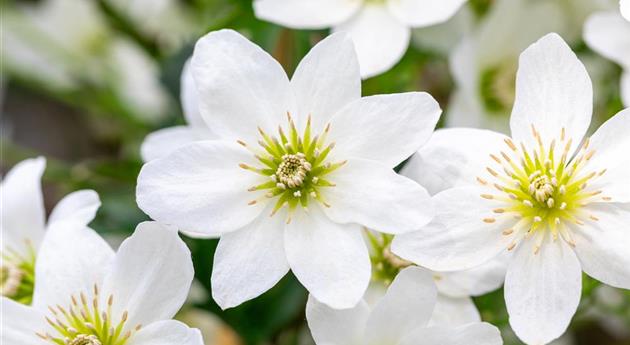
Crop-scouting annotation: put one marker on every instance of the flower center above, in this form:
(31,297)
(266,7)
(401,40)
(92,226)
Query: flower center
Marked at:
(17,274)
(496,87)
(385,264)
(544,188)
(294,165)
(84,322)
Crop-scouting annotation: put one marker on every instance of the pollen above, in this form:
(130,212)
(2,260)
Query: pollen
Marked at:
(543,187)
(87,320)
(295,166)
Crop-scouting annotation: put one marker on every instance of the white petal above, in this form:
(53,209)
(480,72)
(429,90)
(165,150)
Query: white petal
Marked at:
(385,128)
(472,334)
(476,281)
(602,246)
(164,141)
(200,188)
(454,157)
(379,39)
(151,275)
(624,7)
(19,324)
(306,14)
(611,143)
(168,332)
(22,205)
(190,97)
(249,261)
(407,304)
(329,259)
(240,86)
(325,81)
(454,311)
(336,326)
(419,13)
(542,291)
(553,91)
(459,237)
(80,206)
(609,34)
(373,195)
(72,258)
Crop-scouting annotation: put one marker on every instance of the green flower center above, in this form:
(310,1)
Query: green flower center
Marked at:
(17,274)
(544,188)
(294,165)
(385,264)
(85,322)
(497,87)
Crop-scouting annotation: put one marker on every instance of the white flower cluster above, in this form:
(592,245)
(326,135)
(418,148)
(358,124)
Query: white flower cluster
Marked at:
(297,174)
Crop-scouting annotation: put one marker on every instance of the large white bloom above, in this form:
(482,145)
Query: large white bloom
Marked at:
(546,195)
(296,199)
(608,33)
(23,224)
(400,317)
(380,29)
(88,295)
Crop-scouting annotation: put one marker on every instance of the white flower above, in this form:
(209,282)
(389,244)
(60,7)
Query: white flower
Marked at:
(483,64)
(296,199)
(88,295)
(454,305)
(66,44)
(380,29)
(23,224)
(608,33)
(162,142)
(558,208)
(400,317)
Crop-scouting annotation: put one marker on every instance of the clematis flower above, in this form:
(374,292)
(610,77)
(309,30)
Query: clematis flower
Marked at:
(454,304)
(88,295)
(66,44)
(624,7)
(23,224)
(400,317)
(608,33)
(162,142)
(300,167)
(552,199)
(380,30)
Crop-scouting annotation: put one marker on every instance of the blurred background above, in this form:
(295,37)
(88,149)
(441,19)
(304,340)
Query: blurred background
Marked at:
(84,81)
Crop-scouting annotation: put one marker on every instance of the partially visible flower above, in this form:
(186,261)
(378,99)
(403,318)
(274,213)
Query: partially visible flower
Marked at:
(88,295)
(162,142)
(66,45)
(608,33)
(23,224)
(558,202)
(166,21)
(484,65)
(454,304)
(380,29)
(400,317)
(299,168)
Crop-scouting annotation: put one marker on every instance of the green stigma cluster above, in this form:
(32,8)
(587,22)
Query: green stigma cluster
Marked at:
(17,275)
(385,264)
(294,165)
(85,322)
(497,87)
(544,188)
